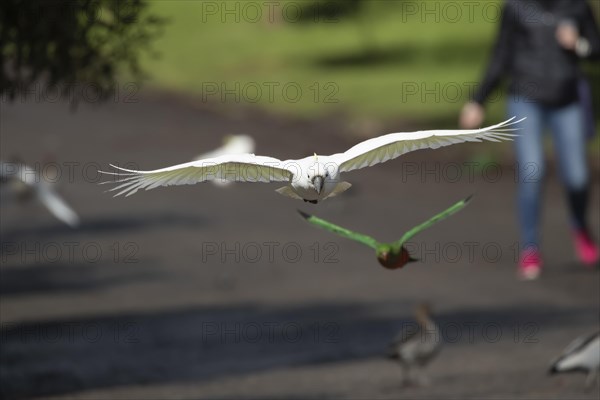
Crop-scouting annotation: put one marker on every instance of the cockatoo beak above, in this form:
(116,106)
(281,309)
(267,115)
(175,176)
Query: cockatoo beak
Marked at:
(318,183)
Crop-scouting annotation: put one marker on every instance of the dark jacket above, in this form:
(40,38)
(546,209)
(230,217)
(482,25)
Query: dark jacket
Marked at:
(527,51)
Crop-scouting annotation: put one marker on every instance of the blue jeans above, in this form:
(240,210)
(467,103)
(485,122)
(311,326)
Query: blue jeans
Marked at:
(567,126)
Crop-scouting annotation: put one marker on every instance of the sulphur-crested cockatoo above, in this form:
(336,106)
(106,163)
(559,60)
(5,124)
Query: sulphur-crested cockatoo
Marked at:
(26,182)
(311,179)
(232,144)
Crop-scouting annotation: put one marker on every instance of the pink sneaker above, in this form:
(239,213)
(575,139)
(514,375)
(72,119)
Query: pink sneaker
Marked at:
(530,265)
(587,250)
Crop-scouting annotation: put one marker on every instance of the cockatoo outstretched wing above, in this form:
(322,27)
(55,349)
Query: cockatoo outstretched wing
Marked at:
(393,145)
(236,168)
(233,144)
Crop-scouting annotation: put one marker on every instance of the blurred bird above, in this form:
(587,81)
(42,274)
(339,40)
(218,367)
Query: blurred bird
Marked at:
(311,179)
(415,346)
(232,144)
(583,354)
(390,255)
(26,183)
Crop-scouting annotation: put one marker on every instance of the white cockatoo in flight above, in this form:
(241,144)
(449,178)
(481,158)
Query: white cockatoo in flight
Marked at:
(232,144)
(312,179)
(26,182)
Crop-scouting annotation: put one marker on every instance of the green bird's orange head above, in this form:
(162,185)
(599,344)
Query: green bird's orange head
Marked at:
(393,258)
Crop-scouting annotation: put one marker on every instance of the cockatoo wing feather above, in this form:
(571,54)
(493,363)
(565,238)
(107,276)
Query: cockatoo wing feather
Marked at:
(393,145)
(235,168)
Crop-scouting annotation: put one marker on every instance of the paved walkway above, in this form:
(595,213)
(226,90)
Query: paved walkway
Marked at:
(201,291)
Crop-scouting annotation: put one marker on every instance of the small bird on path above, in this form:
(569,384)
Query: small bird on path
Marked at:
(583,354)
(416,345)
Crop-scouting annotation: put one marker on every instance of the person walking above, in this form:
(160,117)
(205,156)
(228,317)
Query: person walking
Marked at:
(539,47)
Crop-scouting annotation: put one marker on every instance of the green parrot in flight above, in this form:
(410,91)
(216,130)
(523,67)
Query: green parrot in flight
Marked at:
(390,255)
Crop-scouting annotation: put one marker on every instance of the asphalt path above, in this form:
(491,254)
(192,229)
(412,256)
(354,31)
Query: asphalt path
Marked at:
(208,292)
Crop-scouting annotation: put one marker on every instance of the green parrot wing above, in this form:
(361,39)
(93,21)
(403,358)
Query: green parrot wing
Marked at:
(348,234)
(437,218)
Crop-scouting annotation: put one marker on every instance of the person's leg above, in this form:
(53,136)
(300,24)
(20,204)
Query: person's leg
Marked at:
(569,143)
(530,166)
(568,131)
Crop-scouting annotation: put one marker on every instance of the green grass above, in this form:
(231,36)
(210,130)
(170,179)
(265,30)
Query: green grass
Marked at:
(361,65)
(364,65)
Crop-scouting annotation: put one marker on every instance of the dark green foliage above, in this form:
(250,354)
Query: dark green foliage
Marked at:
(61,43)
(329,10)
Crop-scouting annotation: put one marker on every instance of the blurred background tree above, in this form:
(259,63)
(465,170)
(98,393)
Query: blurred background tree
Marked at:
(414,60)
(62,43)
